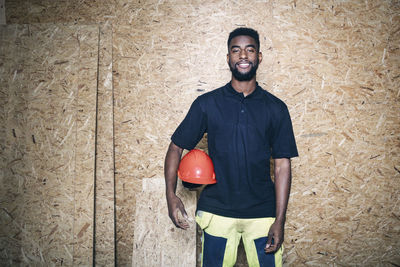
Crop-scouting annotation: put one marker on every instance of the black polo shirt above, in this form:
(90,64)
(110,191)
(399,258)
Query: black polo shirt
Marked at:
(243,134)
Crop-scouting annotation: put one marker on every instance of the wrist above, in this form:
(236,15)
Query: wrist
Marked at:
(170,194)
(280,220)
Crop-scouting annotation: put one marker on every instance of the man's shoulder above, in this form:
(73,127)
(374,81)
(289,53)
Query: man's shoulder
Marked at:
(212,94)
(271,99)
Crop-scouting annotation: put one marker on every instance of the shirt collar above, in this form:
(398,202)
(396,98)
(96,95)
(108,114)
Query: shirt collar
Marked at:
(230,91)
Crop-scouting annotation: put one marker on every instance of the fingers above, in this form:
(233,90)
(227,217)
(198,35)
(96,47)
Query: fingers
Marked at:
(272,248)
(269,247)
(177,212)
(180,220)
(179,216)
(273,243)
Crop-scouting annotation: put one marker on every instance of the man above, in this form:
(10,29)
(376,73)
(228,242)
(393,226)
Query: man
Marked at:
(246,126)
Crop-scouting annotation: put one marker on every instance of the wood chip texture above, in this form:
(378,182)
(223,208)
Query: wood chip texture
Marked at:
(48,89)
(335,63)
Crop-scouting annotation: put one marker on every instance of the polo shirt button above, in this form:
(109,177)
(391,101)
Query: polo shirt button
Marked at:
(242,111)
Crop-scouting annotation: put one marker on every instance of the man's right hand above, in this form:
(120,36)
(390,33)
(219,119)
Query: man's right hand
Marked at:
(175,206)
(176,210)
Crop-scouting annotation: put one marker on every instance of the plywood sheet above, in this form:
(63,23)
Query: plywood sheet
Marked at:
(61,11)
(157,241)
(49,75)
(86,106)
(333,68)
(104,194)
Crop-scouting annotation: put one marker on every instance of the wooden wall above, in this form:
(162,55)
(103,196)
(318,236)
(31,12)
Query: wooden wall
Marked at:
(335,63)
(48,100)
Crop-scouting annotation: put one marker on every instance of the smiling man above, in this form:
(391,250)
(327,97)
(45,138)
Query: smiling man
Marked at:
(246,126)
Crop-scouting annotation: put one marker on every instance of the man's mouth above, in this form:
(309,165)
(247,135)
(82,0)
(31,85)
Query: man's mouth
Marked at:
(243,65)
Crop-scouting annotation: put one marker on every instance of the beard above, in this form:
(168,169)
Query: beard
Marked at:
(246,76)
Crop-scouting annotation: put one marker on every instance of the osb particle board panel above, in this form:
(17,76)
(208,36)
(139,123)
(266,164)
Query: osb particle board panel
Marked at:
(337,69)
(157,241)
(158,72)
(124,12)
(104,208)
(341,49)
(49,95)
(7,203)
(349,196)
(85,145)
(61,11)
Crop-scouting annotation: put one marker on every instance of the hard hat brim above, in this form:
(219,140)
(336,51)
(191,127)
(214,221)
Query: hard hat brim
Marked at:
(198,180)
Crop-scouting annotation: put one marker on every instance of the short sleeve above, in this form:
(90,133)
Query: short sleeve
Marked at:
(283,142)
(192,128)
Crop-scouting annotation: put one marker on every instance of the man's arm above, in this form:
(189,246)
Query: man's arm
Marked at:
(175,204)
(282,172)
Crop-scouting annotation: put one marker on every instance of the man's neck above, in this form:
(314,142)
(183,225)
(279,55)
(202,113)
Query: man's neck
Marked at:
(245,87)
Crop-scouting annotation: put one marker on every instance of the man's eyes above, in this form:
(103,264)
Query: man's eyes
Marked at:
(237,50)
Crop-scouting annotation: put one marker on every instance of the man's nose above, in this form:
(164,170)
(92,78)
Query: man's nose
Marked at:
(243,53)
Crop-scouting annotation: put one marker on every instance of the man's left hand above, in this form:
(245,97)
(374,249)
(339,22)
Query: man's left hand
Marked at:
(275,237)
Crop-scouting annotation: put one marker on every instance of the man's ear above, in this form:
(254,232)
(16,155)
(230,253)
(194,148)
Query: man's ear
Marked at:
(227,58)
(260,57)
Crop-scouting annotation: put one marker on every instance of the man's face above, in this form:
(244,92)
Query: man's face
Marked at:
(243,57)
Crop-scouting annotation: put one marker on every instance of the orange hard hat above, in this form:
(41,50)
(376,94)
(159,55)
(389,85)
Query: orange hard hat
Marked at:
(196,167)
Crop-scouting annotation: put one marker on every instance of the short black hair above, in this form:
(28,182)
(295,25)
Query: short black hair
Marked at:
(247,32)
